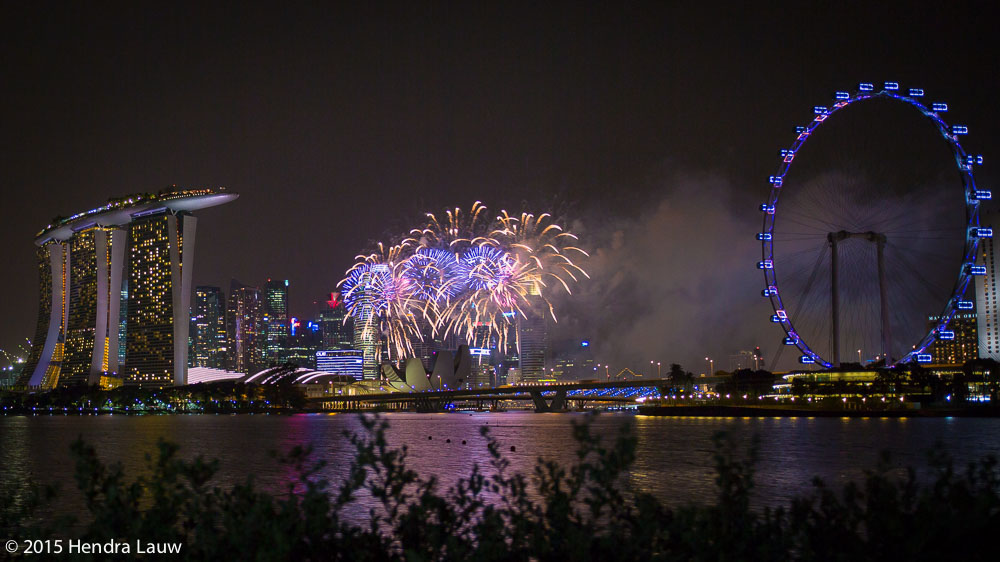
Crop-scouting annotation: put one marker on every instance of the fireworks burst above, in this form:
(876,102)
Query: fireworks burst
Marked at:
(461,273)
(382,300)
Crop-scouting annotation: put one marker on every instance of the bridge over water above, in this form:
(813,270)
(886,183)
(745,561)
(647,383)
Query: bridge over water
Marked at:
(544,397)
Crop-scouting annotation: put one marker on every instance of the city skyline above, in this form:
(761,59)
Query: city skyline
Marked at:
(367,124)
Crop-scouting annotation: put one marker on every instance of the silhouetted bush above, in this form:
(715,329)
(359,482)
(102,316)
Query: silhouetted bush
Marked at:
(577,512)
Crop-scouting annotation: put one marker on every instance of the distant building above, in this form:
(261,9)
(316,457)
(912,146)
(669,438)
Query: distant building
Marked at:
(245,328)
(115,284)
(335,325)
(987,307)
(965,345)
(276,320)
(533,341)
(573,360)
(349,362)
(366,331)
(746,359)
(208,328)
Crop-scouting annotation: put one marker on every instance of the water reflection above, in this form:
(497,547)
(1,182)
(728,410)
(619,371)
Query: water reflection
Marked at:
(674,460)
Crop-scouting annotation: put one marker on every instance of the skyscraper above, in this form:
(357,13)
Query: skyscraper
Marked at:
(245,327)
(533,340)
(987,307)
(334,323)
(366,333)
(208,328)
(275,317)
(120,269)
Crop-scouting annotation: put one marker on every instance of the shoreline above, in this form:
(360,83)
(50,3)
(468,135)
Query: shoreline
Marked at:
(779,412)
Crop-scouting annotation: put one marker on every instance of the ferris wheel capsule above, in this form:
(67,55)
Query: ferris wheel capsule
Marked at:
(916,92)
(939,106)
(924,358)
(891,86)
(866,86)
(946,335)
(982,232)
(807,360)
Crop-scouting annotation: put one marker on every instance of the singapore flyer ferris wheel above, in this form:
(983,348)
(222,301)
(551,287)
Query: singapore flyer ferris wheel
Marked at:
(854,266)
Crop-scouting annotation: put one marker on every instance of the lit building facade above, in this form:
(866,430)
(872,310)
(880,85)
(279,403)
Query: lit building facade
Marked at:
(208,328)
(245,327)
(349,362)
(159,299)
(987,307)
(114,288)
(275,318)
(965,345)
(366,333)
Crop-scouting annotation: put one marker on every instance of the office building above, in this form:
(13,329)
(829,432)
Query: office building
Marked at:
(349,362)
(336,327)
(208,329)
(276,320)
(245,328)
(533,341)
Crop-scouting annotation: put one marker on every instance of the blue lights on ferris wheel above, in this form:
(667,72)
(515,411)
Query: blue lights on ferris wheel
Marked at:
(965,163)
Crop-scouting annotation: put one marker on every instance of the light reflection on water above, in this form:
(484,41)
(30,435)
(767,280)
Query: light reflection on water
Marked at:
(674,457)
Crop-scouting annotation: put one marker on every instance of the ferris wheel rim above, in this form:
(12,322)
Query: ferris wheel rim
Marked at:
(973,233)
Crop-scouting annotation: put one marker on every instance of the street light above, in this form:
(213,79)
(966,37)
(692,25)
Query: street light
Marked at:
(711,367)
(859,356)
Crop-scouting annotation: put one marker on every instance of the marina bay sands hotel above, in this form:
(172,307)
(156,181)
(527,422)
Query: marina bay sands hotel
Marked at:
(115,291)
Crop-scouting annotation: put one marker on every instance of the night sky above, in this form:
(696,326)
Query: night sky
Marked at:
(650,130)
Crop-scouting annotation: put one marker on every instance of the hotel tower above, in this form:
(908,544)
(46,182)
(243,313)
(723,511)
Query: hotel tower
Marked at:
(115,291)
